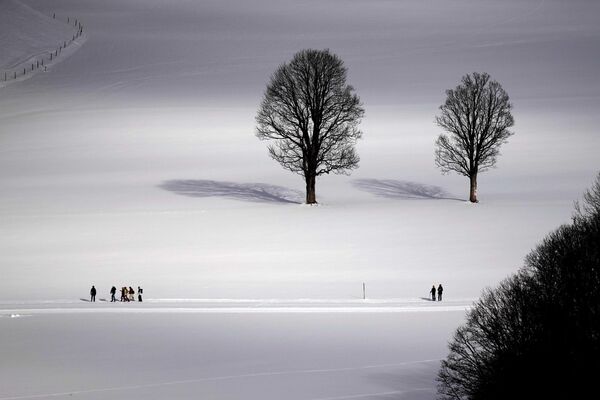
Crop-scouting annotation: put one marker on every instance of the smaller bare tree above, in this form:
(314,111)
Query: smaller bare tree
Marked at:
(311,114)
(476,115)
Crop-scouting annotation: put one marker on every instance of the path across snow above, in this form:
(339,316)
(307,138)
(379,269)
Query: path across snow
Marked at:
(218,306)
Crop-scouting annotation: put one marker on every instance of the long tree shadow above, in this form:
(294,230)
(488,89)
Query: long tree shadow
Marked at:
(396,189)
(254,192)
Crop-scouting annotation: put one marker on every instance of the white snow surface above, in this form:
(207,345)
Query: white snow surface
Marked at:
(223,355)
(134,162)
(27,36)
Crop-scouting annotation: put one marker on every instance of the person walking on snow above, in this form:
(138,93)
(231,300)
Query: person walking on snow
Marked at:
(131,294)
(440,290)
(93,294)
(432,291)
(140,291)
(113,290)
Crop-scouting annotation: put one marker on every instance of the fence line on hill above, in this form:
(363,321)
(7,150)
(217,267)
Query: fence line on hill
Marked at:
(44,59)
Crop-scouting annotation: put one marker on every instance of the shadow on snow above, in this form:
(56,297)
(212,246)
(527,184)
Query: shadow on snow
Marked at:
(402,190)
(254,192)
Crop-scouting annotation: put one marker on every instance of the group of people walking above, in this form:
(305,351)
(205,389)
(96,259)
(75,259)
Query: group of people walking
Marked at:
(440,290)
(127,294)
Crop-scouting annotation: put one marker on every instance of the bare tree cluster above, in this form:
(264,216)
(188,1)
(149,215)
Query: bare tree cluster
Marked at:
(477,116)
(538,334)
(311,114)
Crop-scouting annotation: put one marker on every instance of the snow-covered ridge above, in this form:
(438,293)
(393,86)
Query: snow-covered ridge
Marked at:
(31,42)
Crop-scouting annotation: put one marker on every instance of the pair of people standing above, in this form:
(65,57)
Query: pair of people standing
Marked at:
(440,290)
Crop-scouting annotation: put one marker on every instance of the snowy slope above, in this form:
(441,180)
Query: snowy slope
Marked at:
(27,36)
(135,161)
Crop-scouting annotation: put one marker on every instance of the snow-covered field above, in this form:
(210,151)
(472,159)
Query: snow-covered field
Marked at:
(134,162)
(179,355)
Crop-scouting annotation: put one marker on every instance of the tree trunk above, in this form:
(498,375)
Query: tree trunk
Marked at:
(473,191)
(311,196)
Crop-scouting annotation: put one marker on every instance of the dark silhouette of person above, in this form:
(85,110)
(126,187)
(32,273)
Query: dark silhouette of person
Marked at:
(440,290)
(93,293)
(113,290)
(131,294)
(140,291)
(432,291)
(124,294)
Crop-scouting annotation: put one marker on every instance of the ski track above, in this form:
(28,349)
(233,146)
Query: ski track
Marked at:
(358,396)
(239,310)
(233,306)
(241,376)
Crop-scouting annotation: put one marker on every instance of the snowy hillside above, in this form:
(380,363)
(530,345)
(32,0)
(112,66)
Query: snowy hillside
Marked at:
(27,37)
(134,162)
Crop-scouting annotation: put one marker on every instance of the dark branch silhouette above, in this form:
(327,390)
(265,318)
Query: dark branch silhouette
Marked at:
(312,117)
(476,116)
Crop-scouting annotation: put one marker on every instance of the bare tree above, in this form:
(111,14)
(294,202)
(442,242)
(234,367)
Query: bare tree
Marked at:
(312,116)
(476,116)
(536,335)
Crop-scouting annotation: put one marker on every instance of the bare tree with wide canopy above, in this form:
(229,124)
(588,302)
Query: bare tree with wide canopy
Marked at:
(312,115)
(476,115)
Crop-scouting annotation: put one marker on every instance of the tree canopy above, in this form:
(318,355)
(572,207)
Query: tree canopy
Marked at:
(311,115)
(476,116)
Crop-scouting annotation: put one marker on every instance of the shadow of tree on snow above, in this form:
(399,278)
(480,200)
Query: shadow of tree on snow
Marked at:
(396,189)
(254,192)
